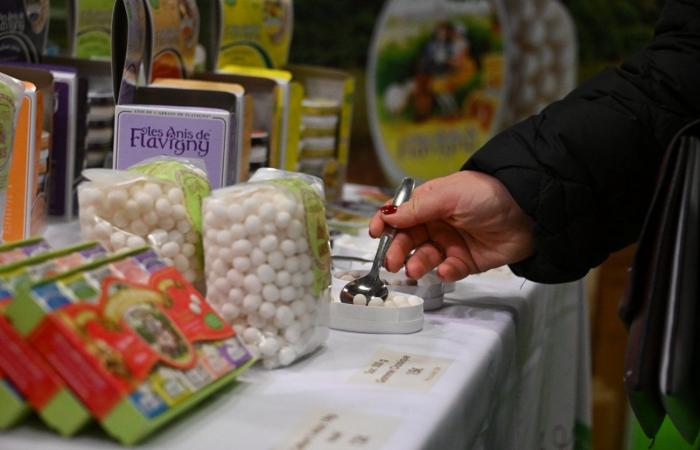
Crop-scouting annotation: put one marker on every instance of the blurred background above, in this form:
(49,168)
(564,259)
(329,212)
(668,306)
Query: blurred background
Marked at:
(339,33)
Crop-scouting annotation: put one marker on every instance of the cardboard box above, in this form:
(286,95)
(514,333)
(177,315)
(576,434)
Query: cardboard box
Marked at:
(136,343)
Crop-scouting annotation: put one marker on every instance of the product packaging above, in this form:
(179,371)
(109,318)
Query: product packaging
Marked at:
(253,33)
(25,378)
(194,124)
(133,339)
(26,209)
(23,28)
(156,203)
(11,93)
(80,28)
(18,250)
(267,260)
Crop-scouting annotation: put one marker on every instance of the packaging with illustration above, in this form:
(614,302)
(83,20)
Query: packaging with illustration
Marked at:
(26,380)
(133,339)
(267,258)
(11,93)
(81,29)
(23,28)
(156,203)
(254,33)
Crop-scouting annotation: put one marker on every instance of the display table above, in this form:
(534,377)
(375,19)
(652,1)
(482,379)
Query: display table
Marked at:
(503,365)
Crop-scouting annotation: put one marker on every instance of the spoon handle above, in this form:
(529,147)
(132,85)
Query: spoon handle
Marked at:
(403,193)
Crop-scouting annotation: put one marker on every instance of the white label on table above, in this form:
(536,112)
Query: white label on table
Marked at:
(402,370)
(342,430)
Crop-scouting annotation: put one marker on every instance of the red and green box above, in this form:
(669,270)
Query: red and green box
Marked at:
(132,338)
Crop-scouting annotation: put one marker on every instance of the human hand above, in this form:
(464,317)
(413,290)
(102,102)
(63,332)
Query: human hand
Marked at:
(464,223)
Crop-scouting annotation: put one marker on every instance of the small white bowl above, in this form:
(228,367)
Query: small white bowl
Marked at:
(375,319)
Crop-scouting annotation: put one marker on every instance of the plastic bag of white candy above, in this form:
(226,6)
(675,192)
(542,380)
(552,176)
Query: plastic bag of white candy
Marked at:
(267,259)
(157,203)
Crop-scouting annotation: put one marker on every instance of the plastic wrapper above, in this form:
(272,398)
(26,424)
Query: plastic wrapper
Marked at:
(156,203)
(267,259)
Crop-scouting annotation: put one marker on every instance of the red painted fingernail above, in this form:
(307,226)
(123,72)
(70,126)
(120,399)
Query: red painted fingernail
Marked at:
(388,209)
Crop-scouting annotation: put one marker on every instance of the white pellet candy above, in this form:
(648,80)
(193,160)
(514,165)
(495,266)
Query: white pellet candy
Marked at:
(271,293)
(284,315)
(276,260)
(170,249)
(89,195)
(271,362)
(219,267)
(268,243)
(266,273)
(120,220)
(250,205)
(251,303)
(258,257)
(153,189)
(359,299)
(269,346)
(182,263)
(295,229)
(217,207)
(288,247)
(241,264)
(175,195)
(267,310)
(308,278)
(242,247)
(192,237)
(150,218)
(229,311)
(144,200)
(252,335)
(162,206)
(269,228)
(304,262)
(253,225)
(103,230)
(287,355)
(177,237)
(306,321)
(293,332)
(210,220)
(302,245)
(291,265)
(236,295)
(235,213)
(116,198)
(178,212)
(252,284)
(376,301)
(139,227)
(235,278)
(267,212)
(166,223)
(288,294)
(282,278)
(118,240)
(222,285)
(237,231)
(282,219)
(223,238)
(297,279)
(188,250)
(168,261)
(298,307)
(135,242)
(183,226)
(388,303)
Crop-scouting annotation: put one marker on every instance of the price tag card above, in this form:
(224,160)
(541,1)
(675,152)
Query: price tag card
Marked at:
(342,430)
(402,370)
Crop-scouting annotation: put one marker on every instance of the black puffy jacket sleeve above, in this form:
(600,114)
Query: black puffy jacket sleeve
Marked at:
(585,168)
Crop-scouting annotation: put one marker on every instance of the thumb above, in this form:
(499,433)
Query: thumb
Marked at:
(431,201)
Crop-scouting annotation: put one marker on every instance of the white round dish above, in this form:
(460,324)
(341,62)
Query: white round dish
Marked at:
(373,319)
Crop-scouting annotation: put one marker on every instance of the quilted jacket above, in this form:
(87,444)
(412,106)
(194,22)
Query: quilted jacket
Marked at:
(584,169)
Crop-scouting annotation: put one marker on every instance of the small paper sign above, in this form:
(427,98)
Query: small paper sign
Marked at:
(402,370)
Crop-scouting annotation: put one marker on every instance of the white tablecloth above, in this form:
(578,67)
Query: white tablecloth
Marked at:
(506,362)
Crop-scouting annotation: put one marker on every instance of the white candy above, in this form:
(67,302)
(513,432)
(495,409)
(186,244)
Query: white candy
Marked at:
(266,273)
(288,247)
(268,243)
(170,249)
(297,279)
(120,220)
(229,311)
(284,315)
(267,310)
(253,225)
(308,278)
(269,346)
(235,213)
(258,257)
(271,293)
(242,247)
(295,229)
(252,284)
(118,240)
(235,278)
(252,335)
(150,218)
(389,304)
(222,285)
(116,198)
(183,226)
(282,219)
(152,189)
(241,264)
(189,250)
(236,295)
(251,303)
(304,262)
(178,212)
(175,195)
(359,299)
(282,278)
(276,260)
(292,264)
(375,301)
(288,294)
(163,207)
(293,332)
(144,200)
(223,238)
(302,245)
(298,307)
(254,320)
(250,205)
(135,242)
(182,263)
(166,223)
(267,212)
(287,355)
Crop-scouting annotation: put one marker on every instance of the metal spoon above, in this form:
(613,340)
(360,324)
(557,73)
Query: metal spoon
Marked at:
(370,285)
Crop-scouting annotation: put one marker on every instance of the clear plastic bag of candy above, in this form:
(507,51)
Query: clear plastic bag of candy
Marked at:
(267,260)
(157,203)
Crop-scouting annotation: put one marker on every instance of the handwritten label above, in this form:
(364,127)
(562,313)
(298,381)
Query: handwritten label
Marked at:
(402,370)
(342,430)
